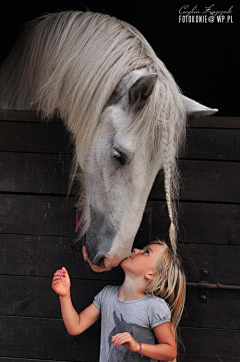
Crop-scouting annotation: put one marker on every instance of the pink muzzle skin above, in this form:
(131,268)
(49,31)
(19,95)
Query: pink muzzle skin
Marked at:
(95,268)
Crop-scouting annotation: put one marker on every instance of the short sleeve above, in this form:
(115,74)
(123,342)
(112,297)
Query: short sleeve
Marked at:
(159,312)
(98,299)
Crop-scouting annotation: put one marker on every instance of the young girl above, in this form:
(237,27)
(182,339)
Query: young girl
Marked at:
(139,319)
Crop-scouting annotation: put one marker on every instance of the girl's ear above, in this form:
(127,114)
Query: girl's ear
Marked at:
(150,275)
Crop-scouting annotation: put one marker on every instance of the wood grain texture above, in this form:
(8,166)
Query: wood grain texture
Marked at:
(38,340)
(202,223)
(37,225)
(32,137)
(33,297)
(201,180)
(206,122)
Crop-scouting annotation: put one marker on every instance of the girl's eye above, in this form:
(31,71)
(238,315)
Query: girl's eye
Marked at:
(146,251)
(119,157)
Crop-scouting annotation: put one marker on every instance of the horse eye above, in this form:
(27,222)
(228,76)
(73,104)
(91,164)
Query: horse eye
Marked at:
(119,157)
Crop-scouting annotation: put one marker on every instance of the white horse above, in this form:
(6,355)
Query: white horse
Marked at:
(125,112)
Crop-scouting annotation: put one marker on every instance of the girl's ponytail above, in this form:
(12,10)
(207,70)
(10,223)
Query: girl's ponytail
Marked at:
(169,284)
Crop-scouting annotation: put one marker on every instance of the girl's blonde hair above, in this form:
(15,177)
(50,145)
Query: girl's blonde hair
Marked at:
(169,283)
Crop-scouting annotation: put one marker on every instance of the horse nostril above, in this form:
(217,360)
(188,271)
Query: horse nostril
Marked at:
(100,262)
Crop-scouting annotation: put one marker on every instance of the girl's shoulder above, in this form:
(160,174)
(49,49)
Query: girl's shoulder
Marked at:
(157,302)
(159,311)
(106,294)
(109,290)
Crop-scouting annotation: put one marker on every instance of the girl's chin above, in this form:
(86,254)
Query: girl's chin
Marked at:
(124,261)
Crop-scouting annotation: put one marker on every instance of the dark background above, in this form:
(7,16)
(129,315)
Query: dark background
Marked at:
(203,58)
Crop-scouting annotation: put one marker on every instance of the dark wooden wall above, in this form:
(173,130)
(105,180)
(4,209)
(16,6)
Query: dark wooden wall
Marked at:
(37,223)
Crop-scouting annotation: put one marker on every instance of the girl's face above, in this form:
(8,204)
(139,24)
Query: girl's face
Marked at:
(143,261)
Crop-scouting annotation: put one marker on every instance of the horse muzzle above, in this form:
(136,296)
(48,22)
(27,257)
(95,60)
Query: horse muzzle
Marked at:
(103,264)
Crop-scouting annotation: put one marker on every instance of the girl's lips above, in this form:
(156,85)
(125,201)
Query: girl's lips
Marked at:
(94,267)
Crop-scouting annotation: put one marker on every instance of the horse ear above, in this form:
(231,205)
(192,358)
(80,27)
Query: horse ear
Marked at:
(195,109)
(141,90)
(116,319)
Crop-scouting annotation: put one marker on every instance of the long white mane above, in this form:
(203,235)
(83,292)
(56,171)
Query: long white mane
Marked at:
(69,64)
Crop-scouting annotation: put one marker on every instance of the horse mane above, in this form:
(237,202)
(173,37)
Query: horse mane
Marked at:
(69,63)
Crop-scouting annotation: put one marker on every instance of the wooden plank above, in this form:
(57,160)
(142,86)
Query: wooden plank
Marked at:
(215,259)
(181,358)
(37,215)
(213,144)
(29,137)
(27,254)
(209,314)
(34,173)
(200,223)
(52,216)
(218,343)
(49,173)
(40,255)
(48,339)
(206,122)
(33,297)
(52,137)
(212,258)
(207,358)
(205,181)
(30,255)
(215,122)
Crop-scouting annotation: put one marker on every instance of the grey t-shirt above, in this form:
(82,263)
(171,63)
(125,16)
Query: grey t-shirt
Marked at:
(138,317)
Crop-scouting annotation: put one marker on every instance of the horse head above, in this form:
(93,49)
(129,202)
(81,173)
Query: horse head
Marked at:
(120,168)
(123,108)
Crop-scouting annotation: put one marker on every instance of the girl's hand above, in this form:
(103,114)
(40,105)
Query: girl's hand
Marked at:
(61,282)
(126,340)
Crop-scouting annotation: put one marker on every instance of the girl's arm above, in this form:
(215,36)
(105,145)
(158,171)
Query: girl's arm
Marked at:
(75,323)
(167,347)
(165,350)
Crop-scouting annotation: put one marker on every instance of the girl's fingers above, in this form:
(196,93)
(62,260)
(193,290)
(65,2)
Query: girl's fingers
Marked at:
(120,334)
(56,282)
(59,272)
(122,338)
(62,273)
(122,341)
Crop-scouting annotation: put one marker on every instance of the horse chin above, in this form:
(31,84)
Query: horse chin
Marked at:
(96,268)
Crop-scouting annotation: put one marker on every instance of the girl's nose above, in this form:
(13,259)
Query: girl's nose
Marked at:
(136,251)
